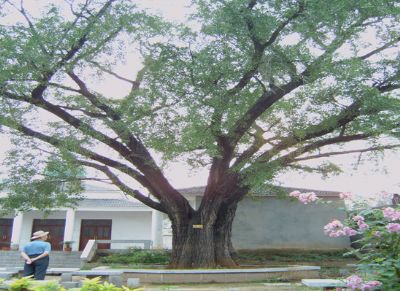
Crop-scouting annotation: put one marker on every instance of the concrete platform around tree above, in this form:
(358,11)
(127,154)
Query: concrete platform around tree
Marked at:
(221,275)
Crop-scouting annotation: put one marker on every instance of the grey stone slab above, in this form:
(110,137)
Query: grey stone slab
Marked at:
(66,277)
(6,275)
(222,275)
(97,273)
(319,283)
(70,284)
(224,271)
(61,270)
(115,280)
(133,282)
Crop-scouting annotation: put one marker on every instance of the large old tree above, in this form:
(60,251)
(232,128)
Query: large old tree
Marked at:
(247,89)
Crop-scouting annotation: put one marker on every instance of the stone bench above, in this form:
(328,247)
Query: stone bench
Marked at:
(97,273)
(326,284)
(8,273)
(59,271)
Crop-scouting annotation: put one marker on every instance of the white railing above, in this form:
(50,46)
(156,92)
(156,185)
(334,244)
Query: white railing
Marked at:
(90,249)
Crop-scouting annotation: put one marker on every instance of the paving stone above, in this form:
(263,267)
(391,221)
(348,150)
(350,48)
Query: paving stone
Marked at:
(133,282)
(6,275)
(66,277)
(70,284)
(115,280)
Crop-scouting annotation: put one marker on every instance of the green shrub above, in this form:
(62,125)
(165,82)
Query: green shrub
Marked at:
(138,256)
(28,284)
(92,285)
(21,284)
(95,285)
(50,286)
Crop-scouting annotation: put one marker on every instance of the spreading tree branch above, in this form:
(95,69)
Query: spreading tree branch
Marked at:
(267,99)
(76,123)
(58,143)
(93,98)
(124,188)
(258,142)
(37,93)
(318,144)
(102,68)
(86,112)
(379,49)
(282,26)
(259,47)
(328,154)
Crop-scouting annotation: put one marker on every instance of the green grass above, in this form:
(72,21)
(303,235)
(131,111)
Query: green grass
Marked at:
(291,256)
(257,257)
(136,257)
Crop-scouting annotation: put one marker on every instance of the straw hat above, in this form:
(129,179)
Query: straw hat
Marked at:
(39,234)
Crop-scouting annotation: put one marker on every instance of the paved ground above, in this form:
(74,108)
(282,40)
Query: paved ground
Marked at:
(220,287)
(230,287)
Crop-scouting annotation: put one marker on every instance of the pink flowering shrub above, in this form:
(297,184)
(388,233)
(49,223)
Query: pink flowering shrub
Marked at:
(335,229)
(393,228)
(391,214)
(304,198)
(355,282)
(379,232)
(345,195)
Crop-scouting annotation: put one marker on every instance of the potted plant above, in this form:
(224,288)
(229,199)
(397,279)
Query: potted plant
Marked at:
(67,246)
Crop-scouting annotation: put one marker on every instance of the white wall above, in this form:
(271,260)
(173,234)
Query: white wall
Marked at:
(27,223)
(273,223)
(125,226)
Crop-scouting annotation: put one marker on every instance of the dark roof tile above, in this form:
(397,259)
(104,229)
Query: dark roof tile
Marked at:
(98,203)
(321,193)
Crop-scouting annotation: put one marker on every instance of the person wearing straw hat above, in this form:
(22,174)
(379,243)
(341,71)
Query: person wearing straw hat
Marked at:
(36,255)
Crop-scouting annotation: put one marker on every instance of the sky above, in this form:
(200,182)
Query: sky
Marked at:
(366,180)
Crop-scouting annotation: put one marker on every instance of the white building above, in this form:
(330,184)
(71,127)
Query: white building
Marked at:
(264,221)
(113,217)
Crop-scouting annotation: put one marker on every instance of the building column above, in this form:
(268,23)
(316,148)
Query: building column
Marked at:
(69,227)
(16,231)
(156,229)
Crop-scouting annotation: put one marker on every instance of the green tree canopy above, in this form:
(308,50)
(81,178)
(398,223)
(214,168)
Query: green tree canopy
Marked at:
(250,89)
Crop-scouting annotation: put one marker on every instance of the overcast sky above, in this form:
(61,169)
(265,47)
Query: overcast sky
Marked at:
(369,178)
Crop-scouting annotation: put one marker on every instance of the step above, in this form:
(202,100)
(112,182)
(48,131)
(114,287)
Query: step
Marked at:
(57,259)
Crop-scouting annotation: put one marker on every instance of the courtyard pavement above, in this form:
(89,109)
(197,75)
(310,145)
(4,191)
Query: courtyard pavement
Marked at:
(229,287)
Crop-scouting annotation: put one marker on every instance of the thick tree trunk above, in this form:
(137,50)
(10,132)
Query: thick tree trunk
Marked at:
(224,251)
(204,243)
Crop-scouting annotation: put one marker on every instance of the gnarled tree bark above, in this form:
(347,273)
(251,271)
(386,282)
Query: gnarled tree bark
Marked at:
(204,238)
